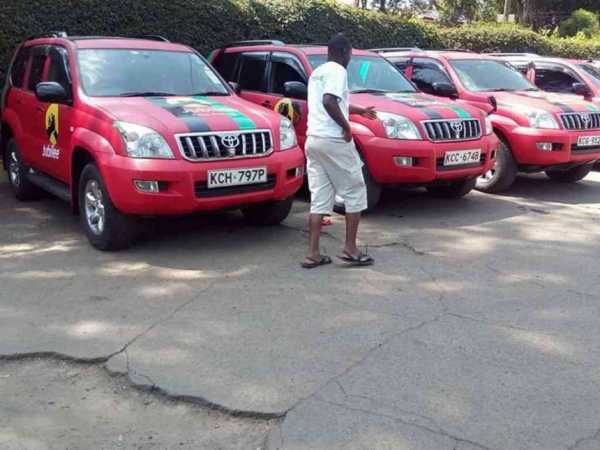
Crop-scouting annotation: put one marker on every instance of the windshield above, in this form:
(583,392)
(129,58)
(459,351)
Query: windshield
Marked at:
(370,74)
(126,72)
(485,75)
(593,72)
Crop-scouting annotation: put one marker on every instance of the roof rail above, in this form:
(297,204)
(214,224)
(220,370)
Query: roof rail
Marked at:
(461,50)
(254,42)
(48,34)
(151,37)
(396,49)
(501,54)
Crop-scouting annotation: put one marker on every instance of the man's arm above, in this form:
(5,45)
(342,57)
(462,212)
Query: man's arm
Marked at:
(332,106)
(368,112)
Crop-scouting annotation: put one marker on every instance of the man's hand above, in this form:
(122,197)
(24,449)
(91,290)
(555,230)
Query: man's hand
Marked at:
(348,134)
(369,113)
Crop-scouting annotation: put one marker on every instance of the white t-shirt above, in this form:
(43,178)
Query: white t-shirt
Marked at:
(329,78)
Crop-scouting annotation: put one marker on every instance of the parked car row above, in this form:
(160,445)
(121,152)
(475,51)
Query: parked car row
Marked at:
(124,128)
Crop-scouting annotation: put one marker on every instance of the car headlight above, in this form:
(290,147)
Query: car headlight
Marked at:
(489,127)
(287,134)
(541,119)
(143,142)
(399,127)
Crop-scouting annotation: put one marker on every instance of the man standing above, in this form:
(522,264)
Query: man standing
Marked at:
(333,164)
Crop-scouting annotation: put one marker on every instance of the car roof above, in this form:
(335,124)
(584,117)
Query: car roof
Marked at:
(446,54)
(536,58)
(111,42)
(307,49)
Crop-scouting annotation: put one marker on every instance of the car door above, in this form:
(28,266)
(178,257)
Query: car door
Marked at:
(426,72)
(252,77)
(15,96)
(58,118)
(32,110)
(284,67)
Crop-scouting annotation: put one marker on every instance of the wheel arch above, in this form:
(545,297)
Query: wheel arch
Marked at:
(79,159)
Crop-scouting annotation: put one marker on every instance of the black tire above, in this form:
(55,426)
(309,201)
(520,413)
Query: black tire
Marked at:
(118,230)
(268,214)
(570,175)
(374,191)
(22,188)
(503,175)
(456,189)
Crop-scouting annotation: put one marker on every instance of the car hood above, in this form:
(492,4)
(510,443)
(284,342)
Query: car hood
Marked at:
(418,106)
(189,114)
(546,101)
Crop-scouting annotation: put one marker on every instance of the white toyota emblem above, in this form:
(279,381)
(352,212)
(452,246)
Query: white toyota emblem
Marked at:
(230,141)
(458,127)
(586,119)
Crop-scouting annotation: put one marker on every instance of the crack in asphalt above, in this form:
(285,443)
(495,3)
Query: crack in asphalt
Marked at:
(578,442)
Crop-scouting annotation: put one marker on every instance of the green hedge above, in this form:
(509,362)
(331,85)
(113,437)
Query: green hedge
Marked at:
(206,24)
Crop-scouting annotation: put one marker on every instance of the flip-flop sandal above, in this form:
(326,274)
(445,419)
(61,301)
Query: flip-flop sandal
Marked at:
(357,261)
(316,263)
(327,221)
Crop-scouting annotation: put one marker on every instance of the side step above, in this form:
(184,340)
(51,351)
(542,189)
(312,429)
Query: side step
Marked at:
(51,185)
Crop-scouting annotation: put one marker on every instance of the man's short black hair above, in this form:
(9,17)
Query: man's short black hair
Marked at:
(339,45)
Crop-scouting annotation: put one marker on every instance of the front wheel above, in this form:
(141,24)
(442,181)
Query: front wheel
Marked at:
(502,175)
(268,214)
(570,175)
(456,189)
(374,191)
(106,227)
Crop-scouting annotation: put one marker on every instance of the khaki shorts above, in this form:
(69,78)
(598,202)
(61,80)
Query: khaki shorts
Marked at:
(334,167)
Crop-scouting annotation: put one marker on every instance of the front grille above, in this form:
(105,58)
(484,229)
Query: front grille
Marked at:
(440,164)
(203,191)
(581,121)
(452,130)
(225,145)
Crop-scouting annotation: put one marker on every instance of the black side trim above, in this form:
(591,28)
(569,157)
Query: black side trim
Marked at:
(51,185)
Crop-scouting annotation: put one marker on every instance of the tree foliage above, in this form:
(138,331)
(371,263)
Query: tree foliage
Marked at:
(581,21)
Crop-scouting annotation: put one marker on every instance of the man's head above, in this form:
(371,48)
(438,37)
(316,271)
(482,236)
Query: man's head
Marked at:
(339,50)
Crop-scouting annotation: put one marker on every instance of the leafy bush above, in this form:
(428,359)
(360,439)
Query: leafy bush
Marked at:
(581,21)
(208,24)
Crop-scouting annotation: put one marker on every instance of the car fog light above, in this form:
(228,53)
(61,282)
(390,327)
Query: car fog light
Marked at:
(545,146)
(299,171)
(147,186)
(405,161)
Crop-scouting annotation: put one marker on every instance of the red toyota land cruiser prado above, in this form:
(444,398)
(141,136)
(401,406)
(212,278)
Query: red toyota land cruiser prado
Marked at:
(540,131)
(124,127)
(418,139)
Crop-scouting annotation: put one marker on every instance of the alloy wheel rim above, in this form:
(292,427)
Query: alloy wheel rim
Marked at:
(94,207)
(490,174)
(13,169)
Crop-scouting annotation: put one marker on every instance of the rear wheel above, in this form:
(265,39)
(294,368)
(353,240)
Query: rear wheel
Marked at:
(17,175)
(502,175)
(106,227)
(456,189)
(268,214)
(570,175)
(374,191)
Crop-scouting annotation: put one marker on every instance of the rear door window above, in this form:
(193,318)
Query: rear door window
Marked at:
(426,72)
(253,70)
(38,62)
(285,67)
(226,65)
(19,67)
(555,78)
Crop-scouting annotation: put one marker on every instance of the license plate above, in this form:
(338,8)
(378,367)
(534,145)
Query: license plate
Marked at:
(236,177)
(460,157)
(588,141)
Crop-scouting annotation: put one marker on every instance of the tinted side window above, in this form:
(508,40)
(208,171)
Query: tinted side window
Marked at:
(401,63)
(17,73)
(37,67)
(554,79)
(284,68)
(225,65)
(252,73)
(57,70)
(426,73)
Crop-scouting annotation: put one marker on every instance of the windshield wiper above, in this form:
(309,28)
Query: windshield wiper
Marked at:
(369,91)
(499,90)
(211,94)
(147,94)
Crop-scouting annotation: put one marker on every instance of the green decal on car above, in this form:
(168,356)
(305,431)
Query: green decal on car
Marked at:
(243,121)
(460,112)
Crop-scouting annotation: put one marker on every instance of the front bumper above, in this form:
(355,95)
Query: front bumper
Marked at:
(183,183)
(524,145)
(428,168)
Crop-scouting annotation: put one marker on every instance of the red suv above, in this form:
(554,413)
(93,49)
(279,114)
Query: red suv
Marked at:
(418,139)
(555,133)
(124,127)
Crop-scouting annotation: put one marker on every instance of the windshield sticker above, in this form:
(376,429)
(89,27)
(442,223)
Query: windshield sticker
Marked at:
(363,71)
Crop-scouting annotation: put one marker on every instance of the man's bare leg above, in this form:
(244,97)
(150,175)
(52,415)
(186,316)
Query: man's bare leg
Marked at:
(352,221)
(314,236)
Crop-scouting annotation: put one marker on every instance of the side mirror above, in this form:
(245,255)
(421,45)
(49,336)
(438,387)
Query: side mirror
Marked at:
(494,104)
(582,89)
(295,89)
(445,90)
(51,92)
(236,87)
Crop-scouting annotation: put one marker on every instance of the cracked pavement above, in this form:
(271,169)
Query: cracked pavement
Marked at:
(476,328)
